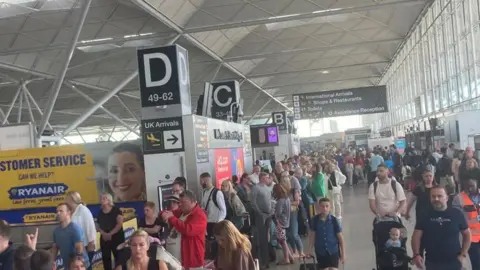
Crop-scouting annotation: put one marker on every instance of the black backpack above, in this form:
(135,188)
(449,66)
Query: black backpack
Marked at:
(392,182)
(213,197)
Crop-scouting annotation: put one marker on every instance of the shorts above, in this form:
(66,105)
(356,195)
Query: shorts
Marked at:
(328,260)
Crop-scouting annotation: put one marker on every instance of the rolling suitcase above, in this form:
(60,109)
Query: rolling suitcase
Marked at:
(308,266)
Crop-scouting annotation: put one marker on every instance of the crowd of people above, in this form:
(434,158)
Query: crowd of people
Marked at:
(240,225)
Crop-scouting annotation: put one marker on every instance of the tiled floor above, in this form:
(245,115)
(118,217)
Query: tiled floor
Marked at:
(357,228)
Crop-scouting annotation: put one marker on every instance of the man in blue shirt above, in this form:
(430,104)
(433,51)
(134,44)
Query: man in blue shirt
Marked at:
(375,160)
(68,238)
(326,235)
(438,231)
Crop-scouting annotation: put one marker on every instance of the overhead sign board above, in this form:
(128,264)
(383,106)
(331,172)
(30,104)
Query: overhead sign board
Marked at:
(355,101)
(280,119)
(164,135)
(163,74)
(224,94)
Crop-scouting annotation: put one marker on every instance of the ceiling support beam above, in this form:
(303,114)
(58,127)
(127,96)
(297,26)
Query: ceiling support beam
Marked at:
(258,111)
(29,107)
(98,104)
(35,104)
(253,101)
(90,43)
(125,106)
(12,104)
(167,21)
(2,114)
(303,16)
(20,107)
(57,85)
(112,115)
(308,50)
(128,133)
(316,69)
(47,76)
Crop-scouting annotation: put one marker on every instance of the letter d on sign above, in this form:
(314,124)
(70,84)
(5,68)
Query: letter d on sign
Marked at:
(148,72)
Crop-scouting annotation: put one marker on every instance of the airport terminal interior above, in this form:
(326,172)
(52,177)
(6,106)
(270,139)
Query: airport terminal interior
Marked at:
(123,97)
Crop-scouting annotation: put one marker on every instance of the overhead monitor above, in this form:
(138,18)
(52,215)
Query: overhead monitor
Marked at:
(264,135)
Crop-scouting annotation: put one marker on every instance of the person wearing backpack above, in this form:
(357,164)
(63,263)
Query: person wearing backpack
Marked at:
(386,196)
(421,197)
(235,208)
(213,203)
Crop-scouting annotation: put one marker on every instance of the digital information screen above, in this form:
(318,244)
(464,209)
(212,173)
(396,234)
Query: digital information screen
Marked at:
(264,135)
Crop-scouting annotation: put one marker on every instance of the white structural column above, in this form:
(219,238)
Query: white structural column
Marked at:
(29,107)
(27,92)
(20,107)
(98,104)
(57,85)
(114,117)
(12,104)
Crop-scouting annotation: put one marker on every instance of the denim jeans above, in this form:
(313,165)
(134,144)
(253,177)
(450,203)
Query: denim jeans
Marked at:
(273,235)
(455,265)
(474,254)
(293,238)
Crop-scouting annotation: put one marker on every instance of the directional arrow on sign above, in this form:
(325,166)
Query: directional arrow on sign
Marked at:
(173,139)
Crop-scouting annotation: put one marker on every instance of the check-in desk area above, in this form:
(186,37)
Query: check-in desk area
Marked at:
(45,232)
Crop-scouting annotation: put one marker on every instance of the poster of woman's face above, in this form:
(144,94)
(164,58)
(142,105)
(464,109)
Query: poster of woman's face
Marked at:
(119,169)
(126,173)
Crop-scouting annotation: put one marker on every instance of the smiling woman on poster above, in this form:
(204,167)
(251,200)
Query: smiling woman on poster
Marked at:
(126,173)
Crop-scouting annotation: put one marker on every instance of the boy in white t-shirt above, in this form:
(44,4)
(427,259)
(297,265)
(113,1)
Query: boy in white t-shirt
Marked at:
(386,195)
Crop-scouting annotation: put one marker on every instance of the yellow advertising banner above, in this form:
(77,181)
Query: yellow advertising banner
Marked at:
(40,177)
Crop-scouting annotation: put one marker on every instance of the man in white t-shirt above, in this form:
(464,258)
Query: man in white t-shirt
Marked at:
(386,195)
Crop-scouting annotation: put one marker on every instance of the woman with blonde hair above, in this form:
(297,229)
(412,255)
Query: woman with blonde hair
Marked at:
(293,238)
(110,222)
(234,248)
(282,219)
(235,208)
(139,244)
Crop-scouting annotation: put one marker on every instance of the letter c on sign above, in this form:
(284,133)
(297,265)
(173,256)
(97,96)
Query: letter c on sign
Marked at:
(278,119)
(183,68)
(215,96)
(148,71)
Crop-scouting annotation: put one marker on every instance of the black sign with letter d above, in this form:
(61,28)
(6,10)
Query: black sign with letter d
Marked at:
(163,75)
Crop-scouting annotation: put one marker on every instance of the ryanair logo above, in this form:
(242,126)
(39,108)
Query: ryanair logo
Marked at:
(128,232)
(127,212)
(97,258)
(39,217)
(37,191)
